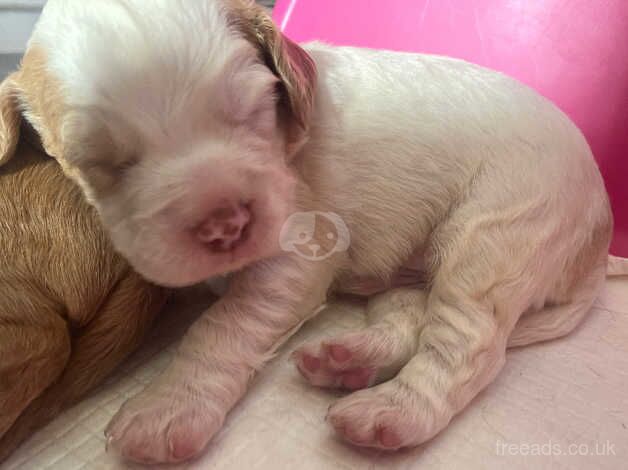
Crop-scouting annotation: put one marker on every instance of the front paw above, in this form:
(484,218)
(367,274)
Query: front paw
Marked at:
(163,424)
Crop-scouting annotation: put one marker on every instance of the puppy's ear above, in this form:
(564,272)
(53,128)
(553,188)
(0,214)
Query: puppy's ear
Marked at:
(289,62)
(10,118)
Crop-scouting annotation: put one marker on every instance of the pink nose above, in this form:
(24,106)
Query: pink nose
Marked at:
(224,227)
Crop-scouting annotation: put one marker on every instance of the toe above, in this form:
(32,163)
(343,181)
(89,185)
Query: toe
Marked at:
(349,427)
(188,435)
(357,378)
(388,438)
(311,363)
(139,443)
(339,353)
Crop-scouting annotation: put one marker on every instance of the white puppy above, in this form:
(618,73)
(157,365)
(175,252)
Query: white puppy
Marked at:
(196,129)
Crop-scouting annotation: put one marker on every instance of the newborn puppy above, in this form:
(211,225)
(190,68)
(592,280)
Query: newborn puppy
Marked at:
(197,131)
(71,309)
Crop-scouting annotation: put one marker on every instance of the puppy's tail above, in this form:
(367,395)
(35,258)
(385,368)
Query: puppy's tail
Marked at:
(617,266)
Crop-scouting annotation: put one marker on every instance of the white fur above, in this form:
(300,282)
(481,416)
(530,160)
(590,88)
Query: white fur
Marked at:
(490,182)
(171,106)
(486,183)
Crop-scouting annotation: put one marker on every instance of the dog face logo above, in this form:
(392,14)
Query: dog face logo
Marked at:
(314,235)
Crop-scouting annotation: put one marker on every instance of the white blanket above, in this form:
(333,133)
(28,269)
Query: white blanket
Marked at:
(551,401)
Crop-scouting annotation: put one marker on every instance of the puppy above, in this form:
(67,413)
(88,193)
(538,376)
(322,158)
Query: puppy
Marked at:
(71,309)
(197,130)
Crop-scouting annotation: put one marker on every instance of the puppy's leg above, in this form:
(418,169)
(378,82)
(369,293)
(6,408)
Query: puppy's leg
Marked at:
(34,349)
(559,317)
(115,331)
(477,294)
(177,415)
(487,275)
(374,354)
(462,348)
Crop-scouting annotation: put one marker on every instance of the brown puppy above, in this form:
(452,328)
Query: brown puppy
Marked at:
(70,307)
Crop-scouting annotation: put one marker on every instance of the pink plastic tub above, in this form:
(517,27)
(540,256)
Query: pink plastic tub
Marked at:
(574,52)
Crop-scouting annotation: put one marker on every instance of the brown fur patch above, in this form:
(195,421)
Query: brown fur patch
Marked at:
(70,307)
(42,100)
(9,118)
(287,60)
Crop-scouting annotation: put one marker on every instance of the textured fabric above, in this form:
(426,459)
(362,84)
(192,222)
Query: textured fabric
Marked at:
(563,396)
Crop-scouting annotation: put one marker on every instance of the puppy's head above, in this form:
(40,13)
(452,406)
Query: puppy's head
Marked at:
(178,121)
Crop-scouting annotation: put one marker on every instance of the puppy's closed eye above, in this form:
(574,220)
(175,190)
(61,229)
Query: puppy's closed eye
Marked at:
(104,173)
(110,165)
(124,166)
